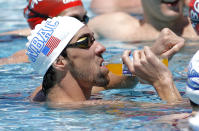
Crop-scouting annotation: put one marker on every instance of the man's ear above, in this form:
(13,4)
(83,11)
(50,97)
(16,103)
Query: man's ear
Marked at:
(60,63)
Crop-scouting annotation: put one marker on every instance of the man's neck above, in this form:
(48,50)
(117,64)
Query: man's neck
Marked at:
(69,90)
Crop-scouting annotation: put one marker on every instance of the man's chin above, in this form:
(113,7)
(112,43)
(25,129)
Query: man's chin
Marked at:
(102,81)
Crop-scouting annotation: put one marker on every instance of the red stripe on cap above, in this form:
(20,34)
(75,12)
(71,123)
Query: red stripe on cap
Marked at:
(62,7)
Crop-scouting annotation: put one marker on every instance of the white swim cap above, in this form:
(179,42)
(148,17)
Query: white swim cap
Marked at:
(48,39)
(192,88)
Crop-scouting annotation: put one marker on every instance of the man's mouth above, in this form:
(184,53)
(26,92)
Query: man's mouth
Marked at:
(170,2)
(101,63)
(101,60)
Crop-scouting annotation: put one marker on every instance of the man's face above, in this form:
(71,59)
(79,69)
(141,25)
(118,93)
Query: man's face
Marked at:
(164,10)
(78,12)
(85,62)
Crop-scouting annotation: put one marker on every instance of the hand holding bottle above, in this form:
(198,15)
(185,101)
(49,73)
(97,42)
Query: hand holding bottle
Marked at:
(116,66)
(146,65)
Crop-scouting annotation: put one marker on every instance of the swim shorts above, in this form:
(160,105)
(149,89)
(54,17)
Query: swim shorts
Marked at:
(194,14)
(39,10)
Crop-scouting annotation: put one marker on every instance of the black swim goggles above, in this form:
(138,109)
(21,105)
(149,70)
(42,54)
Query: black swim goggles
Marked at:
(84,20)
(169,2)
(85,42)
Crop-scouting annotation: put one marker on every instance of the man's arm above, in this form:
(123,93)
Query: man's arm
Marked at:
(18,57)
(147,67)
(117,82)
(21,32)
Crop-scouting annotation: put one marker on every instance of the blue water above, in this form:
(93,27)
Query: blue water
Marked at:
(19,80)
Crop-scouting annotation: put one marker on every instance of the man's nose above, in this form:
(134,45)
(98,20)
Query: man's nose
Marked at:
(99,48)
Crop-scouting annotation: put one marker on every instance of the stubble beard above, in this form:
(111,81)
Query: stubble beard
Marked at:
(98,80)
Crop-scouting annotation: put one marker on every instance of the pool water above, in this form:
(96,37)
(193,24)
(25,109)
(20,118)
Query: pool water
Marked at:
(19,80)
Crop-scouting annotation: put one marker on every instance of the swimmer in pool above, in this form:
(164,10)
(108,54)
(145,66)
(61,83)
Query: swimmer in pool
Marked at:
(158,14)
(68,76)
(166,45)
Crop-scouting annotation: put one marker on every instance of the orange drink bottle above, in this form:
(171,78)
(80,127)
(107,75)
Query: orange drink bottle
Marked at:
(165,61)
(121,69)
(117,67)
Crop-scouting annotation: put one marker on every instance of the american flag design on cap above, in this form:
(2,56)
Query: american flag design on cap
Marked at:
(52,43)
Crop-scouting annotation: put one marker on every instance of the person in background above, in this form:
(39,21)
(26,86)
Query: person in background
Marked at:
(68,76)
(133,7)
(37,11)
(158,14)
